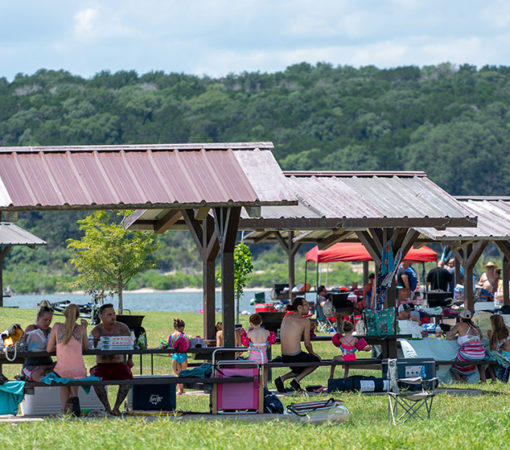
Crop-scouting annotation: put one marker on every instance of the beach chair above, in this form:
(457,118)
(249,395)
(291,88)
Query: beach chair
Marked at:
(323,323)
(411,390)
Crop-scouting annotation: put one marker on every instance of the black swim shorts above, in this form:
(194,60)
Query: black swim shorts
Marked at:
(300,357)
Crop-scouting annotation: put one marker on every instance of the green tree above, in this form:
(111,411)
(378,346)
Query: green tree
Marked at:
(108,256)
(243,266)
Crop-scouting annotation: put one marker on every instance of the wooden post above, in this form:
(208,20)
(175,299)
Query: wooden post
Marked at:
(291,249)
(505,268)
(226,223)
(3,253)
(365,273)
(204,235)
(468,256)
(458,276)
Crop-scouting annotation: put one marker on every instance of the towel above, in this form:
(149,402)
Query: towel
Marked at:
(52,377)
(202,371)
(11,395)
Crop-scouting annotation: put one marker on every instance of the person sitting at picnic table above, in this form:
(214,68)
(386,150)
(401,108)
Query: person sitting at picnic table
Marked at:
(469,338)
(499,336)
(258,339)
(408,321)
(36,339)
(111,367)
(348,345)
(70,340)
(322,295)
(488,282)
(294,327)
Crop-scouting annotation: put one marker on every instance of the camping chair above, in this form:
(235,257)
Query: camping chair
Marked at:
(323,323)
(412,395)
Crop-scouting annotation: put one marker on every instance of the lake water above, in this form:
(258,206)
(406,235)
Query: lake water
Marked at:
(161,301)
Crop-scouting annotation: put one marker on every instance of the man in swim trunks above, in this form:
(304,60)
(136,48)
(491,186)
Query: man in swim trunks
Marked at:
(294,327)
(111,367)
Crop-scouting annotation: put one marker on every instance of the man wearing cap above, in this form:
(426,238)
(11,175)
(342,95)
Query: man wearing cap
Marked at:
(409,321)
(489,279)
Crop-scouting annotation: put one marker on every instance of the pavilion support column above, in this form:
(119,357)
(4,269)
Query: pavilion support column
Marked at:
(227,222)
(505,249)
(3,253)
(291,249)
(206,239)
(458,274)
(468,256)
(365,273)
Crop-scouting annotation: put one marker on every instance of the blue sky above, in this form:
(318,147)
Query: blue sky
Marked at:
(217,37)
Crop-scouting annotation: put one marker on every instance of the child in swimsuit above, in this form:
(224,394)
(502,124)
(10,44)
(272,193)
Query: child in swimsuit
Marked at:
(348,344)
(258,339)
(499,343)
(179,341)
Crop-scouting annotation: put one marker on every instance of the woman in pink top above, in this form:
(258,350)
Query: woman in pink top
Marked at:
(69,339)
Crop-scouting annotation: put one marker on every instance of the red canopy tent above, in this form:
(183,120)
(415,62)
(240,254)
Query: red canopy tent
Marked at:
(347,251)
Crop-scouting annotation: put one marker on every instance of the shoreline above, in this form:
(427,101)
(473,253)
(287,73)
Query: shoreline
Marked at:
(188,290)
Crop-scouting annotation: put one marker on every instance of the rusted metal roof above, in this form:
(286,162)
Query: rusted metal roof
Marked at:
(141,176)
(493,221)
(11,234)
(362,200)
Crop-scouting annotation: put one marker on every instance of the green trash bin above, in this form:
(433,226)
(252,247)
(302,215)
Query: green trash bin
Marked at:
(260,297)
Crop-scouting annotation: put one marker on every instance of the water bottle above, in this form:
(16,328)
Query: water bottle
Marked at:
(438,331)
(91,341)
(133,339)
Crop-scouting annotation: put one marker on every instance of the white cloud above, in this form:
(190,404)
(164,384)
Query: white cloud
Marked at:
(84,23)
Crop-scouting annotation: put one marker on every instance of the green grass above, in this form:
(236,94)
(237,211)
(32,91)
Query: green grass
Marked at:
(457,421)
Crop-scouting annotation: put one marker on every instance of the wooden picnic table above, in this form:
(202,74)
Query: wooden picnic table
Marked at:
(202,353)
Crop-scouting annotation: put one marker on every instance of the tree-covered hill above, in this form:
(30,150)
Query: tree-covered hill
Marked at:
(452,122)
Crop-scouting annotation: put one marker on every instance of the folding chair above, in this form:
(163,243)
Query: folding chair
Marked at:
(411,394)
(323,323)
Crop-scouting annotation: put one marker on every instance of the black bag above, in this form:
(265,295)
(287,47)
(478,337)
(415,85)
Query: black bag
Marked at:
(356,383)
(272,404)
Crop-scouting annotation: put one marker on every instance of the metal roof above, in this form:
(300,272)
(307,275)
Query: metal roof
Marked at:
(362,200)
(11,234)
(493,221)
(141,176)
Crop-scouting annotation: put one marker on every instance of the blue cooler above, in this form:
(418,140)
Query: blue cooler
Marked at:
(152,397)
(412,368)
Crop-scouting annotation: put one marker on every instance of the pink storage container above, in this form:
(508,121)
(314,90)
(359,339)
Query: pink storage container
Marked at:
(238,396)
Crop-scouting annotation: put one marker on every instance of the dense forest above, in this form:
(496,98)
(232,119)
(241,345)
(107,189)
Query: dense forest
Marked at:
(451,122)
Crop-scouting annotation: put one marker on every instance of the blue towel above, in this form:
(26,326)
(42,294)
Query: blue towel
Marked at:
(52,377)
(11,395)
(202,371)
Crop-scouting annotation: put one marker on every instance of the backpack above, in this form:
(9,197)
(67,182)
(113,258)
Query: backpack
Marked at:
(272,404)
(413,278)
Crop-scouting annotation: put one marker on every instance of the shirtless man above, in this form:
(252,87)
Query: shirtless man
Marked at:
(489,279)
(294,327)
(111,367)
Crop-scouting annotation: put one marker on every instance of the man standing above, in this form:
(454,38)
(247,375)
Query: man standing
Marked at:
(111,367)
(439,278)
(294,327)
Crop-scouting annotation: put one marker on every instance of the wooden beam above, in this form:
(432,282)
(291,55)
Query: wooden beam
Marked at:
(337,236)
(367,240)
(201,213)
(166,222)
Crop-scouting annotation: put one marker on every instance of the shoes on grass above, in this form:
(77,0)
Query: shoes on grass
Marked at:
(279,385)
(296,386)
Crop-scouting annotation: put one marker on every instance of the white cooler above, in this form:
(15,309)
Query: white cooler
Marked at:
(45,401)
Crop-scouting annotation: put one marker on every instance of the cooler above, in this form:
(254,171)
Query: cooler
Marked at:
(45,401)
(412,368)
(238,396)
(264,307)
(152,397)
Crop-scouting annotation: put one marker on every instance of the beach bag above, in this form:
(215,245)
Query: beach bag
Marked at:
(11,339)
(329,309)
(380,323)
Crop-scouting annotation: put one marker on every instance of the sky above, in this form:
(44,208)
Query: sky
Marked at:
(218,37)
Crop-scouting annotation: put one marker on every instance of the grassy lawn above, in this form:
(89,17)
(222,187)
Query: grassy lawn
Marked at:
(481,421)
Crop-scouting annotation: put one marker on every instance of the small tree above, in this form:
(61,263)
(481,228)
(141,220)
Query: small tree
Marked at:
(243,266)
(108,256)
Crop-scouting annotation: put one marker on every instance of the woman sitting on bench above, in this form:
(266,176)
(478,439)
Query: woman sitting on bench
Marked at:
(69,339)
